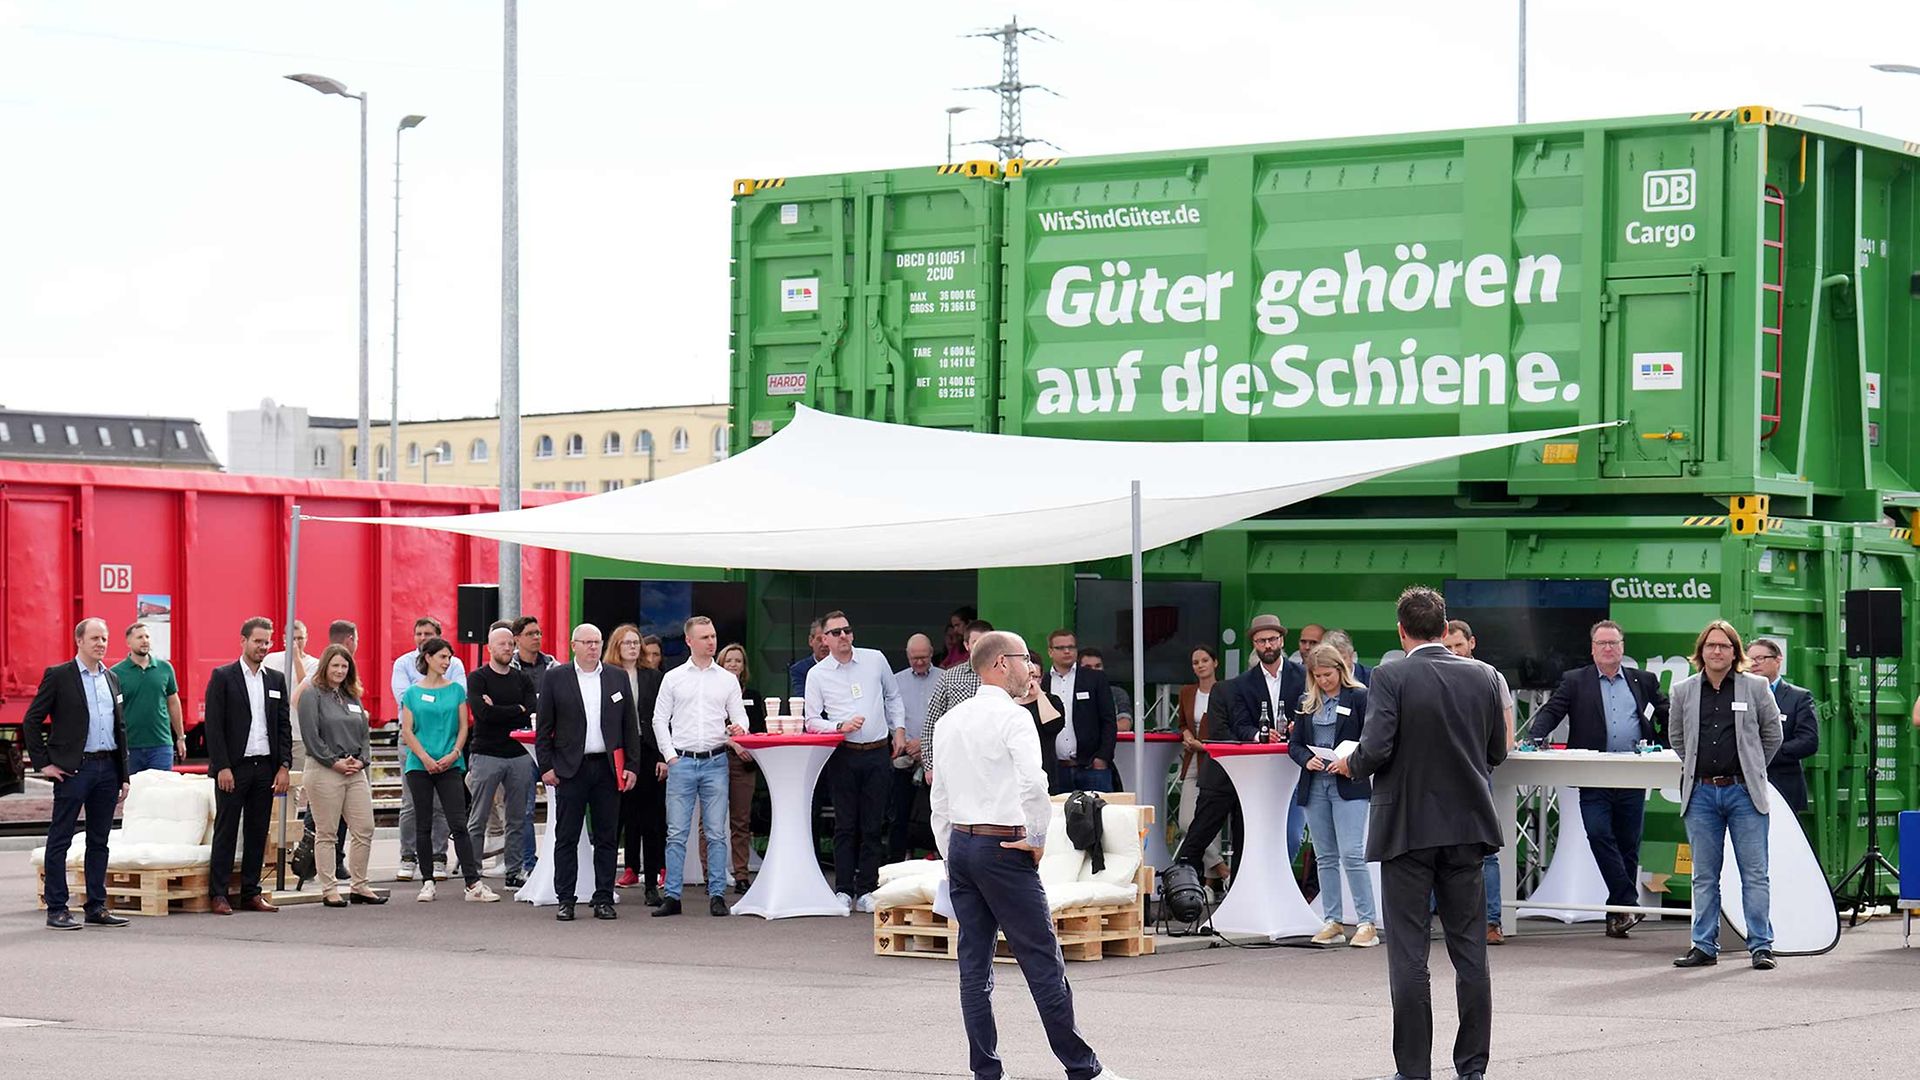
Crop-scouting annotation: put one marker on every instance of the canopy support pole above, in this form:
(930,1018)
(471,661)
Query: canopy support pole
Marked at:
(1139,659)
(293,588)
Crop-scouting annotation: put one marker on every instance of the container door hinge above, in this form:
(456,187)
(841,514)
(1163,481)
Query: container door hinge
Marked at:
(1608,306)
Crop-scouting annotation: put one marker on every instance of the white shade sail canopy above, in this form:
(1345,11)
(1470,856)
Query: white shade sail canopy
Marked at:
(832,493)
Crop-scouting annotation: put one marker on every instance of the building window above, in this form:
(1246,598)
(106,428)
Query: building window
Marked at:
(610,445)
(139,439)
(576,485)
(73,435)
(543,448)
(612,485)
(543,485)
(6,433)
(319,457)
(106,437)
(643,443)
(720,443)
(39,434)
(443,453)
(353,459)
(180,438)
(382,459)
(680,440)
(576,445)
(413,453)
(478,451)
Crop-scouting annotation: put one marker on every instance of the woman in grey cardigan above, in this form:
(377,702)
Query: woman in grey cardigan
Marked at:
(334,728)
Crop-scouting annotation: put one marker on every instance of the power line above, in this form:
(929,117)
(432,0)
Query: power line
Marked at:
(1012,141)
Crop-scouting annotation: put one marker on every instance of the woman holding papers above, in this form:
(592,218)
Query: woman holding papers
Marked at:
(1331,713)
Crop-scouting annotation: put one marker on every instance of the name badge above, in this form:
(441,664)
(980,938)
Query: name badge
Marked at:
(352,708)
(119,699)
(1342,710)
(1647,711)
(274,694)
(1739,706)
(856,691)
(1082,695)
(617,695)
(426,697)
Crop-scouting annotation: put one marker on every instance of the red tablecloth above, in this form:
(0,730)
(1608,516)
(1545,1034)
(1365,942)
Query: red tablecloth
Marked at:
(524,736)
(1237,749)
(1152,736)
(756,742)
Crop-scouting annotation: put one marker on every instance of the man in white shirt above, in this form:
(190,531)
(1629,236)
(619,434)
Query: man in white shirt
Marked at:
(406,672)
(916,682)
(990,808)
(699,707)
(852,692)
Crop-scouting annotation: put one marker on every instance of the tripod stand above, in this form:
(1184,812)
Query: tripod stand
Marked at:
(1871,861)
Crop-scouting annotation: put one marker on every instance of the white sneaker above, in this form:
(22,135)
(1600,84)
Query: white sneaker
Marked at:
(845,900)
(478,893)
(1108,1074)
(407,872)
(426,892)
(494,867)
(865,903)
(1330,934)
(439,870)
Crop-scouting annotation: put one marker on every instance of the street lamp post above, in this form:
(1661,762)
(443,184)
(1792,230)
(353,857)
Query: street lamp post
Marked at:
(393,399)
(334,86)
(953,111)
(1859,111)
(510,302)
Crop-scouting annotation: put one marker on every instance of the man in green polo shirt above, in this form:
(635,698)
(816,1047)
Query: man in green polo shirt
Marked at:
(156,727)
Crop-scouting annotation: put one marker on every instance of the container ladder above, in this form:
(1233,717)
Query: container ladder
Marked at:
(1774,330)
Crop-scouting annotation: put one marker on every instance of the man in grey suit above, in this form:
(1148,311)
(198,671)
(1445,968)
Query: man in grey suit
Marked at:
(1436,727)
(1725,727)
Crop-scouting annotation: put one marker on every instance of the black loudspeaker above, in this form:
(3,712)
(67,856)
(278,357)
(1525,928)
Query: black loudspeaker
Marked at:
(478,609)
(1873,623)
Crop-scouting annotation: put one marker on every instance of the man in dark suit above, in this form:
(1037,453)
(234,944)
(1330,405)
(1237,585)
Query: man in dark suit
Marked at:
(1609,707)
(249,752)
(1084,749)
(1800,727)
(1235,712)
(587,716)
(1436,727)
(85,756)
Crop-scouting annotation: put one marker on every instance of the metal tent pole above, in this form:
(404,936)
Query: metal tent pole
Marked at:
(293,589)
(1139,659)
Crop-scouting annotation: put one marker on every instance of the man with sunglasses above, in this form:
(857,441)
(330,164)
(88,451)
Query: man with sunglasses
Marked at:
(853,692)
(1801,729)
(1610,707)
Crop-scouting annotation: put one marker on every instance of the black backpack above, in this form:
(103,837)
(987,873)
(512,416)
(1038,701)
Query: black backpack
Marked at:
(1085,814)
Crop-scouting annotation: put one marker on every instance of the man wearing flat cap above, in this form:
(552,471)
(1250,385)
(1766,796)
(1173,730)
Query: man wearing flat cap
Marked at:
(1235,711)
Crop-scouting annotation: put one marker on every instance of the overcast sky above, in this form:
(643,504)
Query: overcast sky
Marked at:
(179,221)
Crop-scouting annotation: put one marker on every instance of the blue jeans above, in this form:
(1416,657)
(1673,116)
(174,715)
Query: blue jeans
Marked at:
(1079,779)
(1713,812)
(1297,826)
(94,789)
(1490,872)
(1340,845)
(996,890)
(704,779)
(1614,818)
(142,758)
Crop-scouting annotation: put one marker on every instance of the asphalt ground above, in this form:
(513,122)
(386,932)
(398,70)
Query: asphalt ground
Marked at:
(502,990)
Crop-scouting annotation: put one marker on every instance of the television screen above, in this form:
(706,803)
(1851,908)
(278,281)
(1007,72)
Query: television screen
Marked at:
(1532,631)
(660,607)
(1177,615)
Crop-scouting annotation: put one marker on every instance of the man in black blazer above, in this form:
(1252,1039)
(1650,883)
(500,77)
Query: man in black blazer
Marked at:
(1084,751)
(587,716)
(1610,707)
(1799,726)
(1234,713)
(249,753)
(85,756)
(1436,726)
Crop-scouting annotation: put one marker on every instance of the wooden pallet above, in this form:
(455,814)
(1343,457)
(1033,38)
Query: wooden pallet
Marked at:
(143,892)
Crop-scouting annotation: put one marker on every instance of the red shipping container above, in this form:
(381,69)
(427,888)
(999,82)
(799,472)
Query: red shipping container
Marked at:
(209,550)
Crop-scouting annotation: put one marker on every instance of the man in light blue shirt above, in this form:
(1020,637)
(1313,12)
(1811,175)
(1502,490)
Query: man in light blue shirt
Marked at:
(1623,717)
(853,692)
(406,672)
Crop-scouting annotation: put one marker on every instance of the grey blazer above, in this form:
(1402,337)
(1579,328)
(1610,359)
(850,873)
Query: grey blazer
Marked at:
(1756,731)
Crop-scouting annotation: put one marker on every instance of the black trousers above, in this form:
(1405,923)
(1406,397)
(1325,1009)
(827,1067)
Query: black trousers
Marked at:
(591,796)
(906,797)
(643,818)
(1451,875)
(250,803)
(862,787)
(450,788)
(95,789)
(1217,804)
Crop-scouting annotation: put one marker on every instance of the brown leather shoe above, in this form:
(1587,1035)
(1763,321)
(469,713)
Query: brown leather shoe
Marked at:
(259,902)
(219,906)
(1494,936)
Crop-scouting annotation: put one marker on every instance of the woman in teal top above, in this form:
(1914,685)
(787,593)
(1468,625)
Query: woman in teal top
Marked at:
(433,732)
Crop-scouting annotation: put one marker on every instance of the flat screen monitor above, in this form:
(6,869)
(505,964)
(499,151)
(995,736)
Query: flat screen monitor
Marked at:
(1532,631)
(1177,615)
(661,607)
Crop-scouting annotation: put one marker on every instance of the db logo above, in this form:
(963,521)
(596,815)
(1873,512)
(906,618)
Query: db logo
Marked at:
(116,577)
(1667,189)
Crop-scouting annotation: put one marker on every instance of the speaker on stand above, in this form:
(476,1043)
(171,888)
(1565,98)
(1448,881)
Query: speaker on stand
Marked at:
(1874,630)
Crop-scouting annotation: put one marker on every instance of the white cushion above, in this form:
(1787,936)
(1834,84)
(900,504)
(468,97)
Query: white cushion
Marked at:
(1073,894)
(167,823)
(1061,861)
(1119,844)
(122,855)
(912,889)
(912,868)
